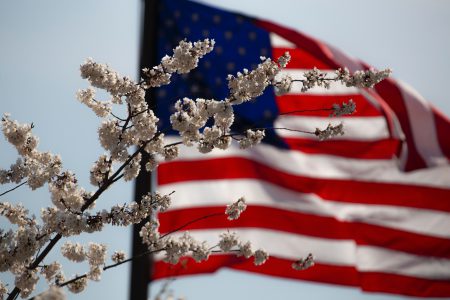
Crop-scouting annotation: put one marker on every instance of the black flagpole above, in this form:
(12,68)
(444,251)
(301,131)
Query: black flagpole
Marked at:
(141,267)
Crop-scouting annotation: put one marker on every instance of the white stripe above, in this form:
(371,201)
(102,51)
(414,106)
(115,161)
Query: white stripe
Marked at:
(223,192)
(335,252)
(355,128)
(286,245)
(336,88)
(344,60)
(423,126)
(374,259)
(326,166)
(278,41)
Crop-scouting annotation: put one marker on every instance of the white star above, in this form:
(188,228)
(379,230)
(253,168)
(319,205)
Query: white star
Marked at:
(228,35)
(216,19)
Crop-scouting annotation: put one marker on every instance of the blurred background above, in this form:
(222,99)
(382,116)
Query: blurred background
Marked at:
(42,44)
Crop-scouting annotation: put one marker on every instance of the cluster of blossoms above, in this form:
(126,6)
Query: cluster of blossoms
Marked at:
(118,257)
(249,85)
(330,131)
(53,293)
(362,79)
(69,224)
(34,166)
(95,254)
(175,248)
(185,58)
(234,210)
(344,109)
(126,141)
(229,242)
(51,271)
(359,79)
(304,263)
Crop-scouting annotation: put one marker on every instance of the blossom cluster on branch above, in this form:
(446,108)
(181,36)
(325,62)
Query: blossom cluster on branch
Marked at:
(204,123)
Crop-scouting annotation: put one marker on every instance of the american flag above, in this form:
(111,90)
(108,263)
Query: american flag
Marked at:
(372,206)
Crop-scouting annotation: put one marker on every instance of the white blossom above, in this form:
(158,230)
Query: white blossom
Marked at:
(150,234)
(156,145)
(330,131)
(109,134)
(78,285)
(101,109)
(73,252)
(170,153)
(314,78)
(362,79)
(283,86)
(103,77)
(176,248)
(284,59)
(38,167)
(260,256)
(200,251)
(234,210)
(118,256)
(344,109)
(26,281)
(101,170)
(245,249)
(249,85)
(3,290)
(51,270)
(53,293)
(228,240)
(251,138)
(19,135)
(185,58)
(66,193)
(151,164)
(16,214)
(303,263)
(95,273)
(131,171)
(160,202)
(96,254)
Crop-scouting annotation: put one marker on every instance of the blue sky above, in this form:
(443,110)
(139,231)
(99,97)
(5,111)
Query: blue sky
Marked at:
(43,43)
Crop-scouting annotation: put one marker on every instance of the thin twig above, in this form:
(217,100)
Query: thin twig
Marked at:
(305,110)
(16,187)
(191,222)
(118,118)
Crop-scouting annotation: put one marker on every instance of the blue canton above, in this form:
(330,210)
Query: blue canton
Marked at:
(239,45)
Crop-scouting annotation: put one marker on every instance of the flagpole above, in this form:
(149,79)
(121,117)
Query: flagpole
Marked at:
(141,267)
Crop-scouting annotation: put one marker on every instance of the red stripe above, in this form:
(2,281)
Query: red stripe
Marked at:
(398,284)
(382,149)
(442,130)
(351,191)
(309,225)
(312,46)
(340,275)
(274,266)
(390,93)
(305,102)
(300,59)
